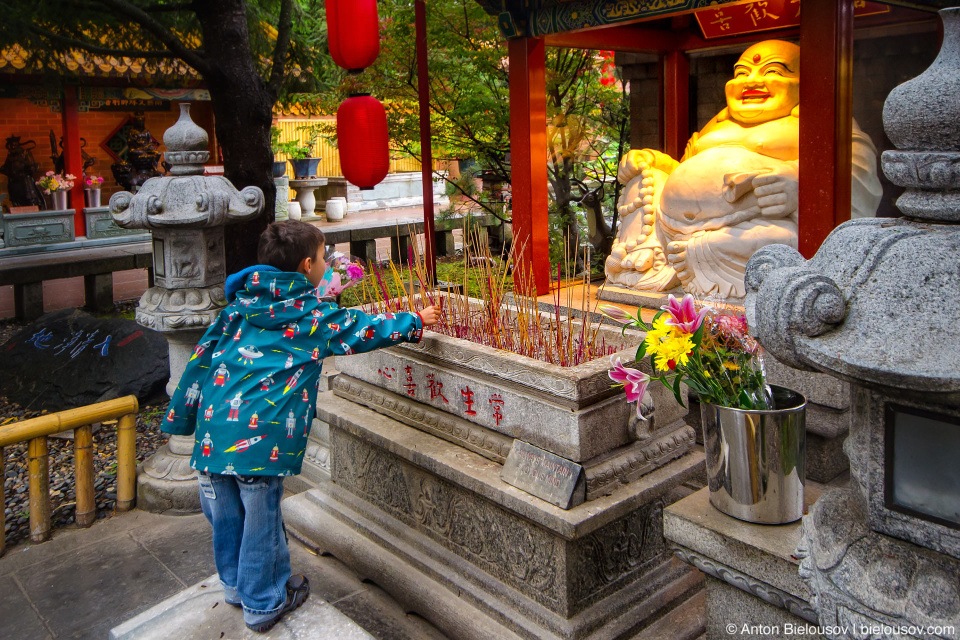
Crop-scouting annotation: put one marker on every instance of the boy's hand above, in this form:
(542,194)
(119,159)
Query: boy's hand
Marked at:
(430,316)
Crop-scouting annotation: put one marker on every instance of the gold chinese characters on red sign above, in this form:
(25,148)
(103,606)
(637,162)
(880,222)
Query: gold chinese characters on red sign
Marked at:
(764,15)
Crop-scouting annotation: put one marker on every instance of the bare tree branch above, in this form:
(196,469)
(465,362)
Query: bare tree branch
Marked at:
(284,27)
(160,32)
(160,8)
(97,49)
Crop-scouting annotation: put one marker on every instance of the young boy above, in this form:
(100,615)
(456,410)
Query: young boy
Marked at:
(249,393)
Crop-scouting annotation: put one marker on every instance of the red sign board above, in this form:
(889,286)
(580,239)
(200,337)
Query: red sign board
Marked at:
(764,15)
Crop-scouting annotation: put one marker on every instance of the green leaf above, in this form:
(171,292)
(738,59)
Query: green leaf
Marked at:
(698,334)
(642,350)
(676,391)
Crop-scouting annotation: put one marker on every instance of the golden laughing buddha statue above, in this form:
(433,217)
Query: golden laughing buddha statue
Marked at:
(695,223)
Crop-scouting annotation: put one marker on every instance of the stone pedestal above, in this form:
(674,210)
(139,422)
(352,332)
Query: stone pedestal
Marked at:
(283,197)
(753,587)
(165,480)
(432,523)
(306,190)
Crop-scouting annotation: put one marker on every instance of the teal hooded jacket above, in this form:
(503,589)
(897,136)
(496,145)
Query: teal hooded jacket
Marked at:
(249,391)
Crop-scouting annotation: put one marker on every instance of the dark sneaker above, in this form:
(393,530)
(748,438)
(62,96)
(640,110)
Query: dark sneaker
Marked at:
(298,588)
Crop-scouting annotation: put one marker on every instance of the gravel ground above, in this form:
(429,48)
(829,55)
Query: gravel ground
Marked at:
(62,491)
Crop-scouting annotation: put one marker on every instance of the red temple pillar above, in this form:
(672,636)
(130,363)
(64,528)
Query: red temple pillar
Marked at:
(72,158)
(826,85)
(676,107)
(426,160)
(528,157)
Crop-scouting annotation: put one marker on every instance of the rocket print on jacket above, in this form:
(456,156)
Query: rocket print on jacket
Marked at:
(252,381)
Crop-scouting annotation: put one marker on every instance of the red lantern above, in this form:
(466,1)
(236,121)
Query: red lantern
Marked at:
(362,140)
(353,33)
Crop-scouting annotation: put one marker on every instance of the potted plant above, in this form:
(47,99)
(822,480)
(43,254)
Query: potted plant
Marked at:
(55,187)
(304,166)
(279,166)
(92,190)
(754,433)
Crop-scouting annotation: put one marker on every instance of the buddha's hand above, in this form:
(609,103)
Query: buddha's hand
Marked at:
(638,160)
(777,191)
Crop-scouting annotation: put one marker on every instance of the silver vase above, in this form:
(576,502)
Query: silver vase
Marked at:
(756,460)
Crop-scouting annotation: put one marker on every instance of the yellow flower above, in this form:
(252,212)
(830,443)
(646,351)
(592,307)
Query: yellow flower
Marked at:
(660,330)
(732,366)
(675,349)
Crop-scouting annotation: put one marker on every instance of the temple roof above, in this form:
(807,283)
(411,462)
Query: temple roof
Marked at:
(15,59)
(542,17)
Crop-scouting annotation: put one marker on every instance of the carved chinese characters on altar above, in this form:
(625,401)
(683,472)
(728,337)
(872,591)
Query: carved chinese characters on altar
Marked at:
(694,224)
(428,386)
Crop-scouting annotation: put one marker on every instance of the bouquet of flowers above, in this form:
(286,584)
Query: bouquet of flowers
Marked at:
(94,182)
(709,351)
(52,182)
(342,273)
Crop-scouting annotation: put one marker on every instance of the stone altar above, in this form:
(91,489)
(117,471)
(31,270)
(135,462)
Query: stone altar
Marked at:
(186,212)
(877,307)
(417,437)
(694,223)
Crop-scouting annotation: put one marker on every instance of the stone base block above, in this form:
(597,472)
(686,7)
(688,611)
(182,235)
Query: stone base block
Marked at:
(625,295)
(732,613)
(458,599)
(432,523)
(754,589)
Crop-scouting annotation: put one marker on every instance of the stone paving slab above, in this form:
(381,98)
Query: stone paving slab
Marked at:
(83,582)
(200,612)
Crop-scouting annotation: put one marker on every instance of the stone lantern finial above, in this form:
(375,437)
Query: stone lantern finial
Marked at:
(186,145)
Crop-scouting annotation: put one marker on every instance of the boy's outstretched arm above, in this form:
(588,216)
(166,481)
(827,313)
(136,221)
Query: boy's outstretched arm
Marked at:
(349,331)
(181,417)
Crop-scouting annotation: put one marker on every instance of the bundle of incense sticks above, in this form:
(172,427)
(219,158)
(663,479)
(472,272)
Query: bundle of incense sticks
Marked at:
(518,323)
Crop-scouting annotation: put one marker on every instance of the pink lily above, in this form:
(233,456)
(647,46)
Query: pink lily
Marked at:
(634,382)
(614,313)
(683,314)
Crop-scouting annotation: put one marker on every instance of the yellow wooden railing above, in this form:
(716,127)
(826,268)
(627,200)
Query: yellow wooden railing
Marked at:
(330,158)
(36,430)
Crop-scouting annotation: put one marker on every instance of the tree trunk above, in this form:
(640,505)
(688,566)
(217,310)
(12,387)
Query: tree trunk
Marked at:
(243,112)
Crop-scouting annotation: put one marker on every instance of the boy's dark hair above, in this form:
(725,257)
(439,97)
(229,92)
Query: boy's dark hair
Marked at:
(285,244)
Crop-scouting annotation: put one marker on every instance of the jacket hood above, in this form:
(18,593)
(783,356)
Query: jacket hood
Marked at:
(271,299)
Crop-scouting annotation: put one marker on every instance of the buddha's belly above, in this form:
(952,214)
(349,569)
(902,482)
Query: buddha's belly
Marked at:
(693,194)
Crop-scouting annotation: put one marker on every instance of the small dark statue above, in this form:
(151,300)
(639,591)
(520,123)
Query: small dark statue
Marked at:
(58,155)
(142,157)
(21,171)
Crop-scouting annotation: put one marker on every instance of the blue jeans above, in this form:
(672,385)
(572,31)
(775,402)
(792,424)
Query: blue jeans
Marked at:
(249,542)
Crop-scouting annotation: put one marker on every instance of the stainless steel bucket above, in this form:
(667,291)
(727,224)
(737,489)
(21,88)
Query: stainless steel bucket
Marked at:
(756,460)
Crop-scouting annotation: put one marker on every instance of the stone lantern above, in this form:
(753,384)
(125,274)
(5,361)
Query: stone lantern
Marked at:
(186,212)
(878,306)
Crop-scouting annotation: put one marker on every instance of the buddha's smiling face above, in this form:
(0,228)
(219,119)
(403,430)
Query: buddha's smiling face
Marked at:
(766,83)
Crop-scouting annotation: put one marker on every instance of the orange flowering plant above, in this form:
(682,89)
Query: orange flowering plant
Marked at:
(707,350)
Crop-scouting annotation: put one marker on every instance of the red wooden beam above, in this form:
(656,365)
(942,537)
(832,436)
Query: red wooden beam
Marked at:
(622,38)
(426,150)
(528,157)
(826,82)
(676,88)
(72,158)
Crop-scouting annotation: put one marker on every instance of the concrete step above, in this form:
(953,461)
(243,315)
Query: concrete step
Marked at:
(340,606)
(685,622)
